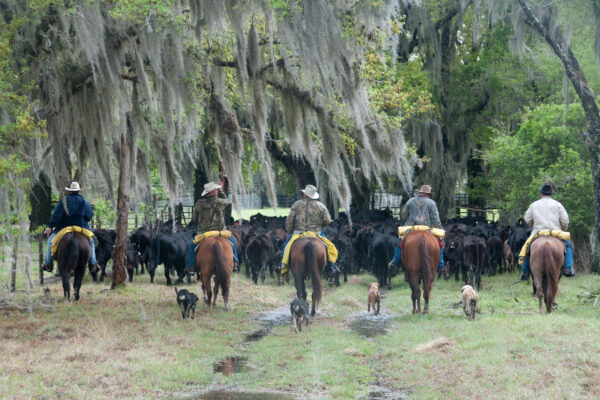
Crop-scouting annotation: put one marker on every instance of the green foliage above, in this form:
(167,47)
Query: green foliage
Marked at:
(547,147)
(104,212)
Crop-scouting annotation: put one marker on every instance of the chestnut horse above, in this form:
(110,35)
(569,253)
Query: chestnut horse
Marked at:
(72,255)
(214,255)
(307,259)
(420,257)
(547,258)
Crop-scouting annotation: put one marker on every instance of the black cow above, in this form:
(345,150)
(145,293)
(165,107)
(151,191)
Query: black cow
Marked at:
(140,239)
(518,237)
(104,241)
(473,259)
(259,250)
(132,260)
(382,252)
(171,250)
(495,254)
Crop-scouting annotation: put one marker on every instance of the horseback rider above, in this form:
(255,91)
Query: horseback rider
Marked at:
(208,213)
(71,210)
(420,210)
(547,213)
(308,214)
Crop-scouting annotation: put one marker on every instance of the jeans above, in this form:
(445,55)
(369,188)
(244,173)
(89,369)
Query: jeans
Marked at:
(191,258)
(398,258)
(48,258)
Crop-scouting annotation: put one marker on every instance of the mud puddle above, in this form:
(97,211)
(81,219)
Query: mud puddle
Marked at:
(384,393)
(369,325)
(224,394)
(268,321)
(231,365)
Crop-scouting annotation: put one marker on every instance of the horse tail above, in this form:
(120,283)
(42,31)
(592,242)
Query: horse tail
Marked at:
(551,282)
(425,257)
(220,271)
(310,259)
(72,256)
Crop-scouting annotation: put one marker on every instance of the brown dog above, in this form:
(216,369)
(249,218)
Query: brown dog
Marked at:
(469,300)
(374,298)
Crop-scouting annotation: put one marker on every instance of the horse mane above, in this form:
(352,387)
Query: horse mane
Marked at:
(310,258)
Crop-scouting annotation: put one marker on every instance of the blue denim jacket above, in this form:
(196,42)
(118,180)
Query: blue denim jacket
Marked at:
(79,213)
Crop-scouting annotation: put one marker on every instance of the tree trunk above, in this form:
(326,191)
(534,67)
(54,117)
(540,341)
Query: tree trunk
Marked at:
(592,136)
(297,167)
(119,275)
(13,270)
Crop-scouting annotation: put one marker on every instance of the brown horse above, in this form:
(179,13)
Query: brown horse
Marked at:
(420,257)
(307,259)
(214,255)
(72,255)
(547,257)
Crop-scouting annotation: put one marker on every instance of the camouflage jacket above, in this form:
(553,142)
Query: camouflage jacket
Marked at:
(421,211)
(208,213)
(307,215)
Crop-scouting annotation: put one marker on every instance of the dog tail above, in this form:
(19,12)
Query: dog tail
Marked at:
(220,270)
(310,258)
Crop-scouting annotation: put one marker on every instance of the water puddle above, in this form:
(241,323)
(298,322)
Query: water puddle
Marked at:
(268,321)
(231,365)
(234,395)
(369,325)
(384,393)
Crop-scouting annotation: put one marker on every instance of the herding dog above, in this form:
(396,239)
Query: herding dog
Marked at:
(299,310)
(374,298)
(187,302)
(469,300)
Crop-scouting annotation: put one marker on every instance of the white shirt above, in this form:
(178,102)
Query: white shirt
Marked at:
(547,213)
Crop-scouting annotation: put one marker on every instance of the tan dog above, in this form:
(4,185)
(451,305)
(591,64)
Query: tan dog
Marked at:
(469,300)
(374,298)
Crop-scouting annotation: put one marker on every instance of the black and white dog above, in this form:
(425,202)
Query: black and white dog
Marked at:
(299,310)
(187,303)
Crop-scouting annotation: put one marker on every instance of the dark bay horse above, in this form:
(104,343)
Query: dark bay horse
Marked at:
(307,259)
(547,258)
(420,257)
(214,255)
(72,256)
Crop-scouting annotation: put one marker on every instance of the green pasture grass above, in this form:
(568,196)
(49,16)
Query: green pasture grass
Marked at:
(132,343)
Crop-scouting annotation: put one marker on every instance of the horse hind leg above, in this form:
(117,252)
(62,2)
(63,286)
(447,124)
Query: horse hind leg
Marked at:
(66,281)
(263,273)
(77,282)
(216,291)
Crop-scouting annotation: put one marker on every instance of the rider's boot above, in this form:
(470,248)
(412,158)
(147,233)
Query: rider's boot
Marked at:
(525,272)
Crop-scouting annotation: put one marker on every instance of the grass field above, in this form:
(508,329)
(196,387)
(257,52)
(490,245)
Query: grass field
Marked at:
(132,343)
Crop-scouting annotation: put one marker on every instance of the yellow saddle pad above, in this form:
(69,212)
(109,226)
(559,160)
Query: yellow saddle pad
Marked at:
(403,230)
(332,253)
(201,236)
(562,235)
(56,239)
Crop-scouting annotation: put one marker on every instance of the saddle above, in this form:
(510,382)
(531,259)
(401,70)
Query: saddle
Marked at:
(201,236)
(562,235)
(78,229)
(332,253)
(405,230)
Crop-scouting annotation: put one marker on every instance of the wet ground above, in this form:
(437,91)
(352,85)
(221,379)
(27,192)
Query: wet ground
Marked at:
(268,321)
(383,393)
(224,394)
(231,365)
(370,325)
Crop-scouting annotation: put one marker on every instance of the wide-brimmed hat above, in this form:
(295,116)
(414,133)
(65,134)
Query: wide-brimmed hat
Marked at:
(74,187)
(210,187)
(547,189)
(425,189)
(311,191)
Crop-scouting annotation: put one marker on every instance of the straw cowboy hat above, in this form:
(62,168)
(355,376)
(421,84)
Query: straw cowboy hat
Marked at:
(210,187)
(425,189)
(74,187)
(547,189)
(311,191)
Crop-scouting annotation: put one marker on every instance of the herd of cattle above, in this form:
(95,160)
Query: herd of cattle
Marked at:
(472,247)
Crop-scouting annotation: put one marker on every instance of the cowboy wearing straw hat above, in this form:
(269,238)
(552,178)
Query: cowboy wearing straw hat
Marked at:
(420,210)
(208,213)
(71,210)
(309,215)
(547,213)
